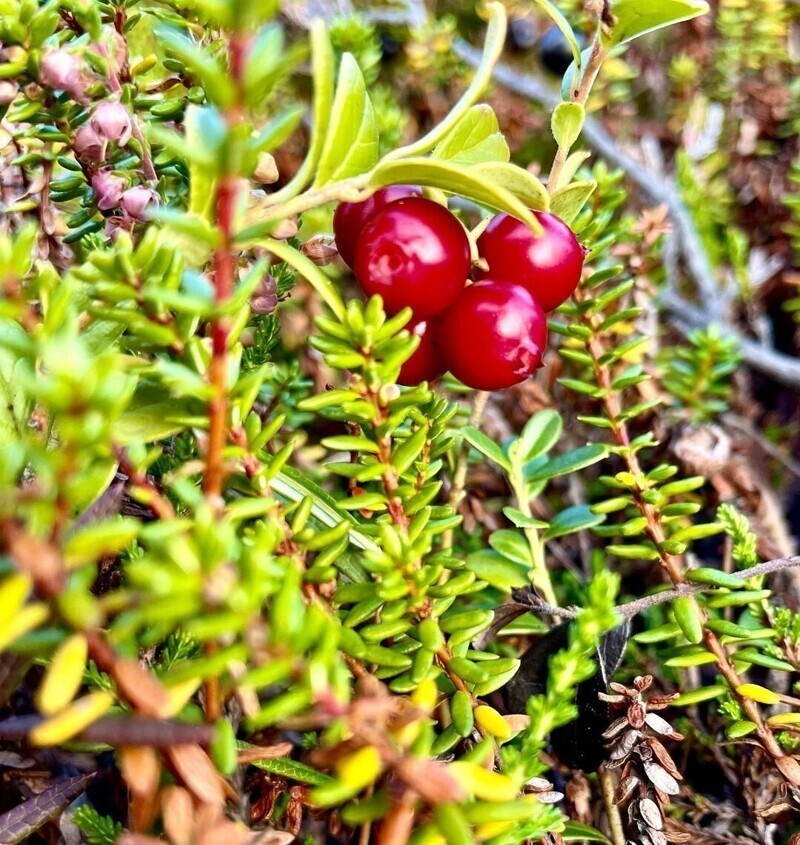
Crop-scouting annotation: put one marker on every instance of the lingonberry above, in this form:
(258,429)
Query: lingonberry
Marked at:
(415,254)
(351,217)
(426,363)
(493,336)
(549,265)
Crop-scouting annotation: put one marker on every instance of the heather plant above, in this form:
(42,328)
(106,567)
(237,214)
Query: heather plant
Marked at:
(245,595)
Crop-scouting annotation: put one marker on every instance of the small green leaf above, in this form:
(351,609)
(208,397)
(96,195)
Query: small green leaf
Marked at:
(351,147)
(701,694)
(512,545)
(569,462)
(571,520)
(294,487)
(687,615)
(568,201)
(200,64)
(476,138)
(566,123)
(469,183)
(741,728)
(540,434)
(691,658)
(576,831)
(752,655)
(148,419)
(486,446)
(292,770)
(521,520)
(497,570)
(714,577)
(634,18)
(517,181)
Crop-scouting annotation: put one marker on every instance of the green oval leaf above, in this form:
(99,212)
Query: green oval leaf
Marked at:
(476,138)
(566,123)
(687,615)
(486,446)
(576,831)
(634,18)
(571,520)
(351,147)
(572,461)
(568,201)
(540,434)
(517,181)
(471,184)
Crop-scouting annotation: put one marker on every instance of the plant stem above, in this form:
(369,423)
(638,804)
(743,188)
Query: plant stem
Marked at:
(224,282)
(581,96)
(672,564)
(608,789)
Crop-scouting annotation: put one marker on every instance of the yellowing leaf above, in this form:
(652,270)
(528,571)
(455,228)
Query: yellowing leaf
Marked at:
(361,768)
(490,786)
(64,675)
(30,617)
(758,693)
(73,720)
(490,721)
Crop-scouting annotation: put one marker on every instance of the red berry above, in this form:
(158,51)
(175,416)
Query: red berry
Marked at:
(549,265)
(351,217)
(493,336)
(415,254)
(426,363)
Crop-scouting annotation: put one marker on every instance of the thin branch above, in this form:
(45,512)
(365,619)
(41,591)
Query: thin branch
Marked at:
(529,601)
(781,368)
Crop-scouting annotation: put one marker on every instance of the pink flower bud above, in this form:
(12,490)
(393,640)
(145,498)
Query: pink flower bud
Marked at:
(319,250)
(264,299)
(8,91)
(88,145)
(108,189)
(112,122)
(65,72)
(136,200)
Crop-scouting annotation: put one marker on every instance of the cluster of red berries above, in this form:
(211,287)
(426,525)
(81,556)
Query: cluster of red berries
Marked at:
(490,334)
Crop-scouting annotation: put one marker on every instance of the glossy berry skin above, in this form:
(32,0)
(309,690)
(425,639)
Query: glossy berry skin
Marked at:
(554,50)
(426,363)
(493,336)
(351,217)
(549,265)
(415,254)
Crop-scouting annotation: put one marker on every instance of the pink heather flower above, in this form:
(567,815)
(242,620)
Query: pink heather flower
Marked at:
(65,72)
(136,200)
(112,122)
(88,144)
(108,189)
